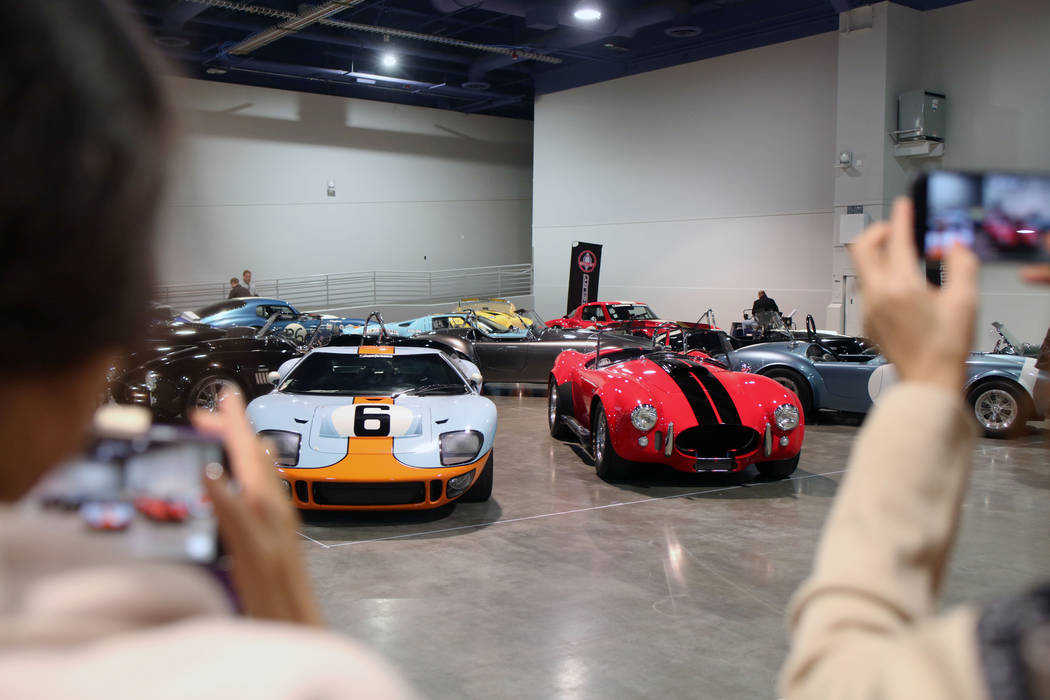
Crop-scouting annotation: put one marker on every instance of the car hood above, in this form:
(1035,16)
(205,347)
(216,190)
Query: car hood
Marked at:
(326,420)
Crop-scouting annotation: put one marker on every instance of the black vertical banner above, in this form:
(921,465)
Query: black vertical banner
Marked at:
(585,262)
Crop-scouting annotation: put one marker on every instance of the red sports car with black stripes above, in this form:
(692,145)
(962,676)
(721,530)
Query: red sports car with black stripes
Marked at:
(686,410)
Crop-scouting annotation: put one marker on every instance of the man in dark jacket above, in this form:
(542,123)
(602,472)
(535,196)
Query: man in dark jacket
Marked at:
(236,290)
(763,303)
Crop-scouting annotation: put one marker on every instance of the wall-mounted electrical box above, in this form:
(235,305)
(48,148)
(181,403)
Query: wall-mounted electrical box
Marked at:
(921,124)
(921,116)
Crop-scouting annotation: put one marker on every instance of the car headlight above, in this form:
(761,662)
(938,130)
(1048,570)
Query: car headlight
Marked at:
(151,380)
(786,417)
(282,446)
(460,447)
(287,488)
(459,484)
(644,417)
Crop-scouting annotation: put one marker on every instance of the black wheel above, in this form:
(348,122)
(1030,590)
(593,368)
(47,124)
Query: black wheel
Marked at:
(610,466)
(481,490)
(206,392)
(780,469)
(797,384)
(1000,407)
(556,411)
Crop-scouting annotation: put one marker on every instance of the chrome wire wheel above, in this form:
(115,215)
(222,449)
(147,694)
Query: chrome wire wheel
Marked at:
(210,394)
(996,409)
(601,437)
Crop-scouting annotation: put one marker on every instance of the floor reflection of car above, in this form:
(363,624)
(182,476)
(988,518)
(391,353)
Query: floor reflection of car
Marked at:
(1004,390)
(523,355)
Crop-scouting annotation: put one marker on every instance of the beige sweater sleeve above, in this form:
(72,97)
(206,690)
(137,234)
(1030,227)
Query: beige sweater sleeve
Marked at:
(863,625)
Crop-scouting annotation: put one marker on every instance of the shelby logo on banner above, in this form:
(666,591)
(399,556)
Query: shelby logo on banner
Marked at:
(584,265)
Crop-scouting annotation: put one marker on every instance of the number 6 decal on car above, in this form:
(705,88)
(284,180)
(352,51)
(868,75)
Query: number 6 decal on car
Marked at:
(374,420)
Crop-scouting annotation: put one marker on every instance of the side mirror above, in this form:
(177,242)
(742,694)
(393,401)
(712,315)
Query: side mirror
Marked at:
(274,378)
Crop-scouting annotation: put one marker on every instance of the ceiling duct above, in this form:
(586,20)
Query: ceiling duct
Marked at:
(293,20)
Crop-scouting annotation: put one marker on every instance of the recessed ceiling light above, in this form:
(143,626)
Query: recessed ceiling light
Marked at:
(389,60)
(475,85)
(682,32)
(215,71)
(587,13)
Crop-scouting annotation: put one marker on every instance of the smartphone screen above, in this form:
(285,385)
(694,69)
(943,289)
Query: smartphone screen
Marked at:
(1002,217)
(145,494)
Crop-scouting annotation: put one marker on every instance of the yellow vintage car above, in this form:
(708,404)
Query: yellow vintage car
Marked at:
(501,311)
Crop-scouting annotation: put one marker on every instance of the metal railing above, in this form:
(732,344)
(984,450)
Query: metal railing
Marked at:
(358,289)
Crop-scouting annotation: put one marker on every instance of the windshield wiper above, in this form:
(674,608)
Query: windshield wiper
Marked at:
(435,388)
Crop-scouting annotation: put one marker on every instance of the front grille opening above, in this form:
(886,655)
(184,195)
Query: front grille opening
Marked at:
(435,490)
(717,441)
(301,492)
(366,494)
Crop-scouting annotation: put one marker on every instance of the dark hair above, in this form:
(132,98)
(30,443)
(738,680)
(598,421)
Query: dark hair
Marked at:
(234,280)
(83,138)
(246,272)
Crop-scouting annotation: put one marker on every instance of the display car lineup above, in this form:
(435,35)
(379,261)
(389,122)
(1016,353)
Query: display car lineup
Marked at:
(403,401)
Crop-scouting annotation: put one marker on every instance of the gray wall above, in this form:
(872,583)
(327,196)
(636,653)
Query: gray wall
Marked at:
(992,59)
(251,176)
(705,182)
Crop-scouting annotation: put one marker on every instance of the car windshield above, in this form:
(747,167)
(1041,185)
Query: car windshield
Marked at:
(219,307)
(489,327)
(344,374)
(1008,336)
(630,312)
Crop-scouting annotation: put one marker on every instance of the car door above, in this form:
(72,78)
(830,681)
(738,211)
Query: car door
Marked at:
(847,384)
(501,360)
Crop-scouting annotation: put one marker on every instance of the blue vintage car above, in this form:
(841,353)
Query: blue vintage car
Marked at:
(443,322)
(253,312)
(1005,389)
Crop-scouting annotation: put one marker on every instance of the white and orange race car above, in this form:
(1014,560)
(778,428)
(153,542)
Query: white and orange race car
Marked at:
(378,428)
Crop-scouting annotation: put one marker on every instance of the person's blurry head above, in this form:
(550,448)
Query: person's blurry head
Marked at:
(84,145)
(234,282)
(761,294)
(247,276)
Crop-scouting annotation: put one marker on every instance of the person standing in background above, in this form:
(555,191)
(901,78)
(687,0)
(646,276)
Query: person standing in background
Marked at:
(252,291)
(236,290)
(764,303)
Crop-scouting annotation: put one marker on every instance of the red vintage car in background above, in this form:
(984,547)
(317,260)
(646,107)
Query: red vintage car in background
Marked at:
(164,510)
(630,316)
(685,410)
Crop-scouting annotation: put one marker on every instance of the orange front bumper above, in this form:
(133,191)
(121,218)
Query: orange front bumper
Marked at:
(375,482)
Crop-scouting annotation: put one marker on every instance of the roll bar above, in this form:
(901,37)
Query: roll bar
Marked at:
(382,328)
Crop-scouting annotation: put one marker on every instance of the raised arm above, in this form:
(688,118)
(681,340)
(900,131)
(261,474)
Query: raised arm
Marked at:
(863,624)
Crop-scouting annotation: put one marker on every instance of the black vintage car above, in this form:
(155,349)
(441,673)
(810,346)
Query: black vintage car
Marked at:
(181,366)
(522,358)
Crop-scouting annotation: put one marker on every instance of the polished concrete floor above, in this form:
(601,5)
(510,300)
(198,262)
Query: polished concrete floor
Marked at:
(564,586)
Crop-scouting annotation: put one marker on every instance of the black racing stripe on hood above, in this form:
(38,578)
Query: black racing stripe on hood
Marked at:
(719,395)
(680,374)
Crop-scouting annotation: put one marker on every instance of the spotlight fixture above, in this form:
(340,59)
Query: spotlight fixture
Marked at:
(587,12)
(389,60)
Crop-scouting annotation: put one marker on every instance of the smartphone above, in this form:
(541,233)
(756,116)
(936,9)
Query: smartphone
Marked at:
(142,490)
(1003,217)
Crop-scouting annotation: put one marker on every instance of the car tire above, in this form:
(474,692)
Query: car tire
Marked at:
(203,392)
(609,465)
(1000,408)
(797,384)
(556,411)
(481,489)
(779,469)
